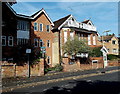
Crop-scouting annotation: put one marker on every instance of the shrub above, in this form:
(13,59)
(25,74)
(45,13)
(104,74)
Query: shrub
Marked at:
(57,68)
(112,57)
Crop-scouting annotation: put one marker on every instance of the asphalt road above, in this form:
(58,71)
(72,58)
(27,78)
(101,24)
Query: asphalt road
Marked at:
(101,84)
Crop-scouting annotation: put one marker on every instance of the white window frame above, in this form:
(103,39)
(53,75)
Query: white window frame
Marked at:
(89,40)
(35,40)
(3,37)
(94,40)
(10,38)
(48,42)
(49,28)
(114,50)
(36,26)
(40,43)
(39,27)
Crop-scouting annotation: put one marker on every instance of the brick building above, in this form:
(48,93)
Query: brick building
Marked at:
(15,33)
(34,32)
(111,43)
(69,27)
(42,36)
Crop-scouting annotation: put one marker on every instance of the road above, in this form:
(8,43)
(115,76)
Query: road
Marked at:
(101,84)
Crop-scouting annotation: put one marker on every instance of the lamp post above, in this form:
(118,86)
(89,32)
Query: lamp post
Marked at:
(104,54)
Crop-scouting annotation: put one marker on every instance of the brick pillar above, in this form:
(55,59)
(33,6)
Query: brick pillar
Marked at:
(41,71)
(65,65)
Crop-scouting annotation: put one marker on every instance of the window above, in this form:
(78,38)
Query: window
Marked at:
(106,40)
(10,41)
(21,41)
(48,59)
(114,50)
(3,39)
(48,43)
(35,26)
(48,28)
(89,40)
(23,25)
(94,40)
(10,60)
(36,42)
(40,43)
(113,42)
(41,27)
(4,59)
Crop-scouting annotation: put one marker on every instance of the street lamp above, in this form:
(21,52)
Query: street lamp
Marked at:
(104,53)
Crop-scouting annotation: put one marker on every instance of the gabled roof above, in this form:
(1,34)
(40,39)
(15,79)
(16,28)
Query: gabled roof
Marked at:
(87,21)
(60,22)
(108,37)
(39,12)
(30,17)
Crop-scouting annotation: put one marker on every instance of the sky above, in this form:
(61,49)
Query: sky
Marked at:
(104,15)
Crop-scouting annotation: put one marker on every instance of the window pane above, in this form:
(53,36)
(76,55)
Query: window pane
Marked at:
(36,42)
(41,27)
(48,28)
(48,43)
(10,41)
(35,26)
(41,43)
(3,40)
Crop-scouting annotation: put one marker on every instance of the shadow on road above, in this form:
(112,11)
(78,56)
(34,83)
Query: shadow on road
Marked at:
(84,87)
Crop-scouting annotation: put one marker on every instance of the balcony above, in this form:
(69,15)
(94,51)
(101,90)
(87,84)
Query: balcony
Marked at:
(87,27)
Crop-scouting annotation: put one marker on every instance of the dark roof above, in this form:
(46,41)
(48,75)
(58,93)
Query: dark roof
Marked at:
(60,21)
(86,21)
(108,37)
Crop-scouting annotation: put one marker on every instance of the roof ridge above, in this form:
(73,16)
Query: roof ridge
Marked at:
(63,17)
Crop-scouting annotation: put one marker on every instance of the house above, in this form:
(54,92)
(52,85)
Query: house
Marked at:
(21,32)
(15,33)
(43,38)
(111,43)
(69,27)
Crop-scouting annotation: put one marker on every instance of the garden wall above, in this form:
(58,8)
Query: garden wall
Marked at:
(13,70)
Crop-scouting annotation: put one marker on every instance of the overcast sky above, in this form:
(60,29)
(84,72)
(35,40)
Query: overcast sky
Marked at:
(104,15)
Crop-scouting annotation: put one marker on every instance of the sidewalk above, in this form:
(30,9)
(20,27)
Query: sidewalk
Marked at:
(17,82)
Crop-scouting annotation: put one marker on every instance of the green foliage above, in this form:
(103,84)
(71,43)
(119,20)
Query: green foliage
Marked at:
(112,57)
(95,52)
(72,47)
(57,68)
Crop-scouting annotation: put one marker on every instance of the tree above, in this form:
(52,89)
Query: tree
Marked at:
(74,46)
(95,52)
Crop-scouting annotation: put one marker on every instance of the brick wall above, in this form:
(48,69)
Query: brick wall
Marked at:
(12,70)
(78,66)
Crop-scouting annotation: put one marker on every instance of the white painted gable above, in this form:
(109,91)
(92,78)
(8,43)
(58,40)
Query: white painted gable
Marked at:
(71,22)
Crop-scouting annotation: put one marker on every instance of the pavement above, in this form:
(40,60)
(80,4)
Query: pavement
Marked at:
(15,83)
